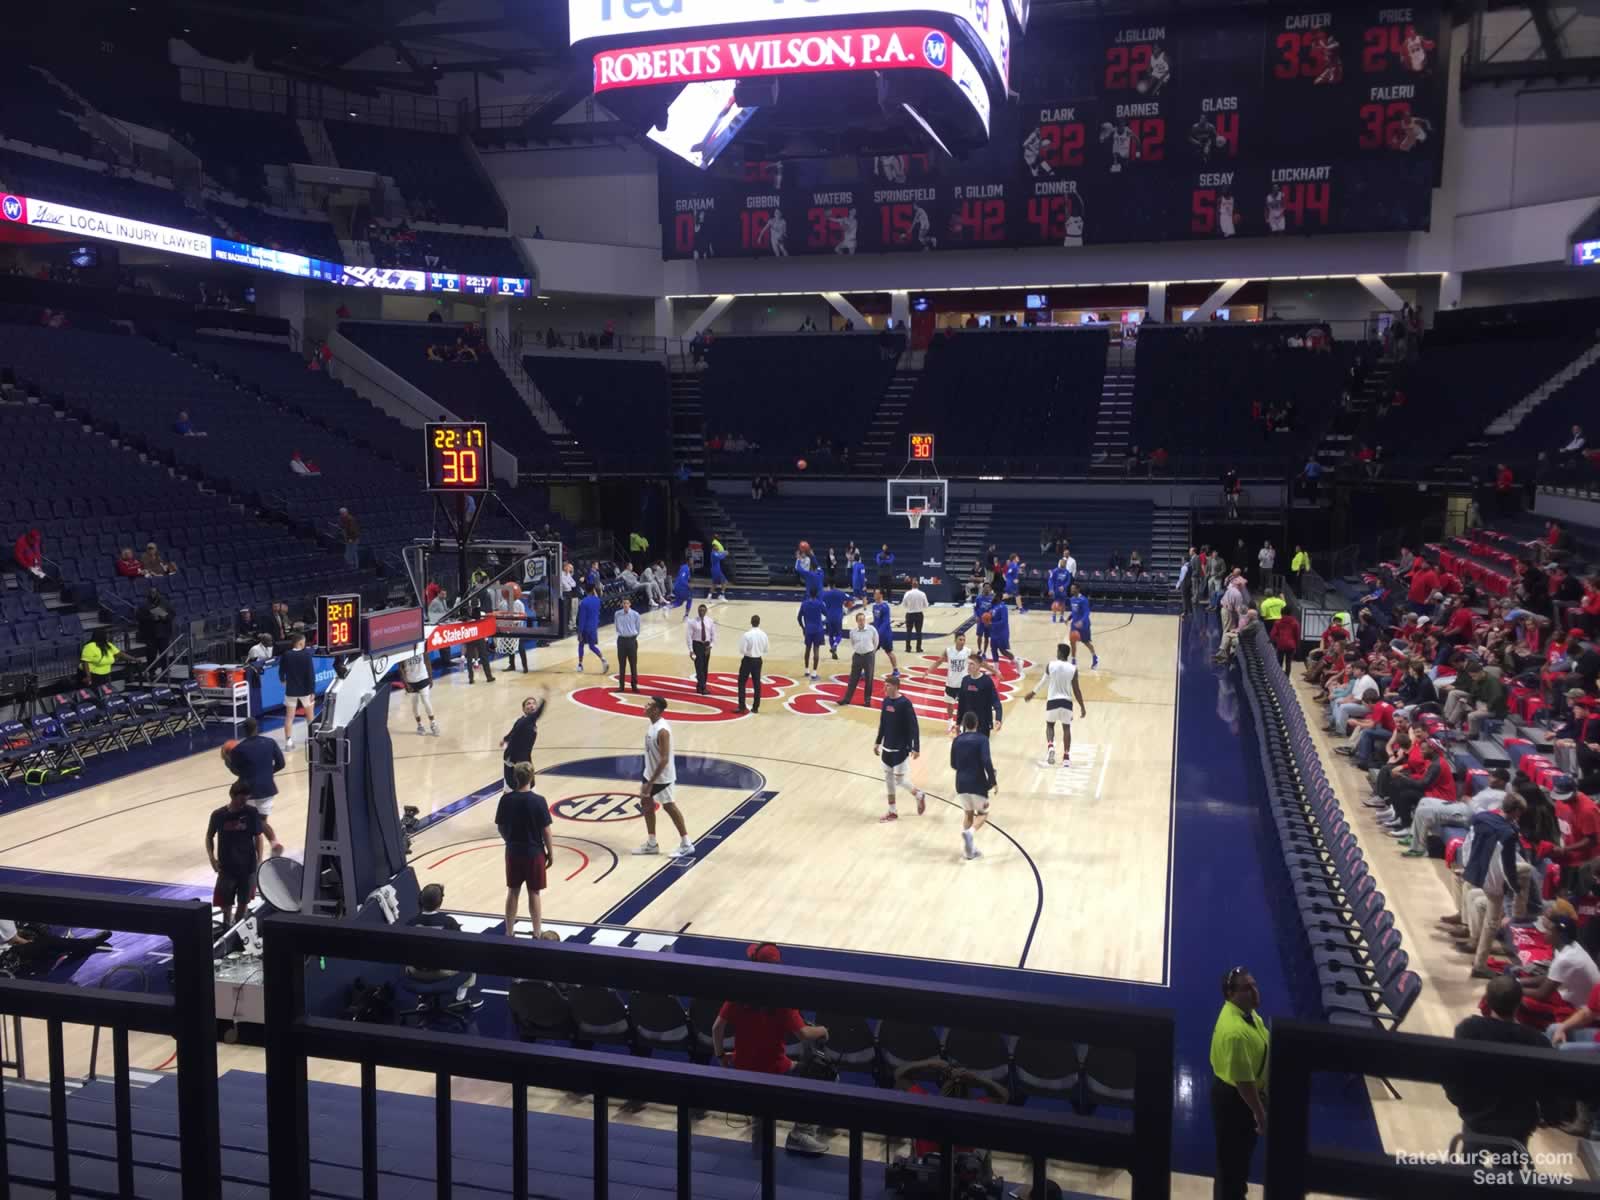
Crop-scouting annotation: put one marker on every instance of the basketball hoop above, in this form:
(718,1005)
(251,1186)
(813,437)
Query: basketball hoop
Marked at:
(914,516)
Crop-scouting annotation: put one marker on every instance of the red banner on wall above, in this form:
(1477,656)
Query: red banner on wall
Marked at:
(890,48)
(459,633)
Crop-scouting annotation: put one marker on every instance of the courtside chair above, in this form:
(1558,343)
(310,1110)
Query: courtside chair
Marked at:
(540,1011)
(1108,1077)
(984,1054)
(1047,1068)
(901,1042)
(850,1042)
(660,1023)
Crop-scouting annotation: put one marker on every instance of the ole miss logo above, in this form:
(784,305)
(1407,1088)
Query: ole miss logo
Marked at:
(921,681)
(721,703)
(599,806)
(11,206)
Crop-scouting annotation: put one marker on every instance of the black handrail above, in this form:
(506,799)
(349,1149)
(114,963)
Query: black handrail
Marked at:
(1300,1049)
(188,1016)
(1143,1146)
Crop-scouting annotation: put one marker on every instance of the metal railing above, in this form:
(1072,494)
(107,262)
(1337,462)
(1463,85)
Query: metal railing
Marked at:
(1296,1167)
(188,1016)
(599,341)
(1142,1146)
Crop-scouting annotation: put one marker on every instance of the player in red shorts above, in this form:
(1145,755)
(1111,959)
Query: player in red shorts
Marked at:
(234,840)
(523,820)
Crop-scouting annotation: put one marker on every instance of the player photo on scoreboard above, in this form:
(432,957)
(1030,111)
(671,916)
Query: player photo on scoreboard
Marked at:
(1300,199)
(1132,135)
(1218,203)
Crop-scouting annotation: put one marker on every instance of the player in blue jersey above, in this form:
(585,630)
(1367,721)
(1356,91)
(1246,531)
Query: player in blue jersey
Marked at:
(1013,575)
(682,592)
(833,603)
(1060,580)
(858,580)
(980,607)
(1079,625)
(719,581)
(807,568)
(1000,632)
(883,622)
(812,620)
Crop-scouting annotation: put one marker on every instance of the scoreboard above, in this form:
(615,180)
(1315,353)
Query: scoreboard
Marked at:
(1279,122)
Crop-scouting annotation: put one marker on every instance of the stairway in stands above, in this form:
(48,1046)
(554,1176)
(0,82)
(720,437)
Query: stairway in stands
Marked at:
(688,422)
(747,568)
(1517,413)
(1169,539)
(966,536)
(1336,441)
(877,449)
(1113,429)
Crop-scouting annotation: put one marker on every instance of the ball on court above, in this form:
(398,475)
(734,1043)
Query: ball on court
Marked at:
(988,618)
(800,464)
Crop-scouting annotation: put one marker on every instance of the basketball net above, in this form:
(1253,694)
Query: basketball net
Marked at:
(914,516)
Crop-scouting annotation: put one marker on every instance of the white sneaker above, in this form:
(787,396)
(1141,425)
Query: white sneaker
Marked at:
(1050,756)
(972,853)
(580,668)
(288,747)
(421,732)
(804,1143)
(649,847)
(1066,760)
(682,850)
(433,728)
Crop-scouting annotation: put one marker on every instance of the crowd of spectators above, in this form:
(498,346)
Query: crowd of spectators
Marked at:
(468,347)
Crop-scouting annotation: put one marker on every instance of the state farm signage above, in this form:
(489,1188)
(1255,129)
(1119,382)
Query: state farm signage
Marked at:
(899,47)
(458,633)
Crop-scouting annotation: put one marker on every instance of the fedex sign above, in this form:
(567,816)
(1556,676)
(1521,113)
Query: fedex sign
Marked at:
(646,20)
(812,52)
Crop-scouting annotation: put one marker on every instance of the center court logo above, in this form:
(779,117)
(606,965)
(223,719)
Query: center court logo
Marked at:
(11,206)
(721,702)
(921,681)
(599,807)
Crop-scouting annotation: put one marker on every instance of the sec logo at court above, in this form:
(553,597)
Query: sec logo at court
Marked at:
(599,806)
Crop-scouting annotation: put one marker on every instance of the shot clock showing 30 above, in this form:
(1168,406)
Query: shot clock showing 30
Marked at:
(458,456)
(338,623)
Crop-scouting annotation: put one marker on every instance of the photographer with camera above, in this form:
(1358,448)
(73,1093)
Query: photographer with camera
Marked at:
(922,1174)
(759,1036)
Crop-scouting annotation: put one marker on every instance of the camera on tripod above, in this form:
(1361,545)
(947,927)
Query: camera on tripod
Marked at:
(921,1177)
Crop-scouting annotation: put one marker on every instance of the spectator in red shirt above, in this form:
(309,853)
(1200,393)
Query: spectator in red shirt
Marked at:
(29,553)
(1424,582)
(127,565)
(759,1036)
(1285,638)
(1369,734)
(1579,819)
(1505,489)
(1320,661)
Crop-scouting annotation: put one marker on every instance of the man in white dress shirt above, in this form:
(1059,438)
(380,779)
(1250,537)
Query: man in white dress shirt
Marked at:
(700,631)
(752,649)
(915,603)
(863,654)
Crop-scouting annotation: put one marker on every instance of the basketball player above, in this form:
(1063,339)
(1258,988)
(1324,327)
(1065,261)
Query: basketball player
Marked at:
(776,231)
(1416,50)
(980,609)
(813,621)
(849,225)
(523,819)
(1406,134)
(1275,202)
(1326,57)
(974,767)
(660,773)
(589,629)
(922,228)
(419,683)
(1203,136)
(1014,567)
(858,579)
(517,745)
(1060,681)
(892,167)
(1033,156)
(979,699)
(1225,212)
(1000,632)
(955,670)
(833,605)
(702,237)
(682,592)
(1060,580)
(883,622)
(1074,226)
(1160,71)
(719,581)
(899,741)
(1079,626)
(1124,146)
(298,671)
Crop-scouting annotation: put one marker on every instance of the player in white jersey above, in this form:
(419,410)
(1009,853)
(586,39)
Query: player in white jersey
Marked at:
(1124,146)
(848,225)
(777,232)
(1417,48)
(660,774)
(1160,71)
(1225,213)
(1033,156)
(1061,686)
(922,228)
(955,670)
(420,684)
(892,167)
(1275,221)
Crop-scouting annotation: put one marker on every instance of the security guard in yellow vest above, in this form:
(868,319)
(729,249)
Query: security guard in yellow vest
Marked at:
(1238,1083)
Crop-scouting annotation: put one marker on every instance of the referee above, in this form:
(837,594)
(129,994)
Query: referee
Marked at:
(752,649)
(627,625)
(1238,1083)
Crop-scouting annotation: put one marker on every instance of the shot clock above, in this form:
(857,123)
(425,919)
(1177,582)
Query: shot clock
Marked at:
(338,624)
(457,456)
(920,448)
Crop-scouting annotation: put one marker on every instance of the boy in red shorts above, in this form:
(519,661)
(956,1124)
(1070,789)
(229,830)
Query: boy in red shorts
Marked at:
(523,820)
(235,837)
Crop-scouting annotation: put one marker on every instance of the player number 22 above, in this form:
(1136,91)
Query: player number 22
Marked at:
(1126,65)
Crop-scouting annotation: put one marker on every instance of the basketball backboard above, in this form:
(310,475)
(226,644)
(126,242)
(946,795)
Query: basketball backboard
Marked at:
(931,494)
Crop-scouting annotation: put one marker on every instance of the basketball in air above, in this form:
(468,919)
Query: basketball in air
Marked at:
(800,464)
(804,549)
(988,618)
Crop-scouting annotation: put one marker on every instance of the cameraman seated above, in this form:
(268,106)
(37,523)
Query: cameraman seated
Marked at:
(973,1167)
(428,916)
(759,1035)
(37,949)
